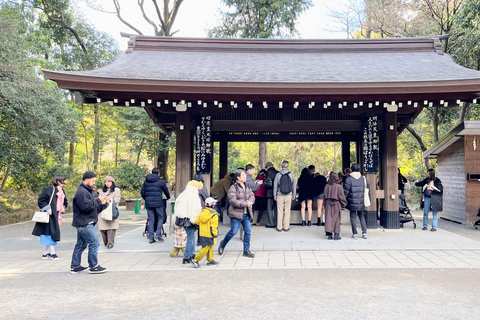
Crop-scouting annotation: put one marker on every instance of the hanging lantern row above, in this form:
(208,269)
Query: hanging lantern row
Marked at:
(182,104)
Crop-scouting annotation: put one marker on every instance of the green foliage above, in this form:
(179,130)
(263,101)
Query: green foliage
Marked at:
(260,18)
(129,176)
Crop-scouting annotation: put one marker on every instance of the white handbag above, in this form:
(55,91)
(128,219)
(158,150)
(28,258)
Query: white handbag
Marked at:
(366,194)
(42,216)
(107,212)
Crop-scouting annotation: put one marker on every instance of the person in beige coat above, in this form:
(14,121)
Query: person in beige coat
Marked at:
(108,228)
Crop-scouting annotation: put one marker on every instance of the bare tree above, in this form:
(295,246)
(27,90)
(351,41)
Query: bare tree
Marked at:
(164,13)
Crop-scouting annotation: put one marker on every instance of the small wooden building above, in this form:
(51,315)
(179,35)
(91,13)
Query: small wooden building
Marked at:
(219,90)
(458,166)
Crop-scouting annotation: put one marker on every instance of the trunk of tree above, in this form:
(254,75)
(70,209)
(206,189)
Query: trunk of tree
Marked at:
(5,177)
(140,151)
(463,112)
(86,140)
(116,151)
(420,142)
(162,159)
(71,154)
(96,138)
(262,155)
(435,123)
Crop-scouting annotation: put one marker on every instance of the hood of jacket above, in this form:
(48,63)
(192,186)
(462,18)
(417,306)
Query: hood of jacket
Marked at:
(356,175)
(152,177)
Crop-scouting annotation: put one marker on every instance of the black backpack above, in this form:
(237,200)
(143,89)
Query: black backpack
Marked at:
(268,183)
(285,183)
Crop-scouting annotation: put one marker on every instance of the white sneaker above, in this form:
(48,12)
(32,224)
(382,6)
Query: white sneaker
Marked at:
(355,236)
(364,236)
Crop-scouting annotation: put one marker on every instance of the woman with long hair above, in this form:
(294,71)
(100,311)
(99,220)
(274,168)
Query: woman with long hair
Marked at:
(334,200)
(433,198)
(305,197)
(108,228)
(54,201)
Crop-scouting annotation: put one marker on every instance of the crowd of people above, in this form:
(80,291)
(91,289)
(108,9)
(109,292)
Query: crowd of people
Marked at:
(195,209)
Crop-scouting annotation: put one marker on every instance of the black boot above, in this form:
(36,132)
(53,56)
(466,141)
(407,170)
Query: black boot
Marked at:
(304,223)
(319,222)
(309,223)
(186,261)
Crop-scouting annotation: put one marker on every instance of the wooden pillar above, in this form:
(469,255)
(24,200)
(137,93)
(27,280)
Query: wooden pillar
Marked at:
(223,158)
(390,217)
(184,161)
(345,154)
(371,211)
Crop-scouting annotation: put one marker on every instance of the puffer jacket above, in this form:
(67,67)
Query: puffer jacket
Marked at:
(152,191)
(207,227)
(354,188)
(238,201)
(220,188)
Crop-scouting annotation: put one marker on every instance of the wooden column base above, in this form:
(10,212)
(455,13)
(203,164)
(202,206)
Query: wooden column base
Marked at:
(390,219)
(371,219)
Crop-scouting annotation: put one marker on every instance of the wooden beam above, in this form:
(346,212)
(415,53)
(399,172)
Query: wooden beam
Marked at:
(223,158)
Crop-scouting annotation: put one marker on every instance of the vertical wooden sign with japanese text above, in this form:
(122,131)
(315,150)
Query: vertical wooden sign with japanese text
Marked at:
(370,144)
(203,150)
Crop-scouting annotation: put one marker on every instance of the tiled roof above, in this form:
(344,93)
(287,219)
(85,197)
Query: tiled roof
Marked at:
(284,61)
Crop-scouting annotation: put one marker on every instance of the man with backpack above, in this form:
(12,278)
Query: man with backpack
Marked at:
(284,191)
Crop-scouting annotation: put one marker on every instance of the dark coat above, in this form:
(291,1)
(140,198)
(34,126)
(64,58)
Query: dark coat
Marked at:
(152,191)
(318,185)
(202,194)
(436,204)
(254,186)
(354,190)
(238,201)
(271,172)
(86,207)
(304,187)
(52,228)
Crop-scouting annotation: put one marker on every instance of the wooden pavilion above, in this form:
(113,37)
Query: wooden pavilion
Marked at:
(364,91)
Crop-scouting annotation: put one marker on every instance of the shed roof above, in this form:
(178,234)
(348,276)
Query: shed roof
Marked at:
(463,129)
(264,66)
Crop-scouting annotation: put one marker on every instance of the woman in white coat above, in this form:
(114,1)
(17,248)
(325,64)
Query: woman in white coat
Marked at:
(108,228)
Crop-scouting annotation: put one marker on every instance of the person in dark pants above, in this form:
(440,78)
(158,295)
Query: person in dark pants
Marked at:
(152,192)
(85,215)
(401,181)
(354,187)
(271,203)
(240,212)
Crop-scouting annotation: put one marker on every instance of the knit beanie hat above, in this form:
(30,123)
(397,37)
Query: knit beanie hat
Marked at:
(109,178)
(88,175)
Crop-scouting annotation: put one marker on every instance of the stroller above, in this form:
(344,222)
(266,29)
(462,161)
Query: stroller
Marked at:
(164,234)
(404,211)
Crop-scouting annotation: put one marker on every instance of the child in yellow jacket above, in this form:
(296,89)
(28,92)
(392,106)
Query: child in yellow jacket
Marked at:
(207,222)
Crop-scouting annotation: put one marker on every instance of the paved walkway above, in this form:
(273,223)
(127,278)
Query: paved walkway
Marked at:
(302,247)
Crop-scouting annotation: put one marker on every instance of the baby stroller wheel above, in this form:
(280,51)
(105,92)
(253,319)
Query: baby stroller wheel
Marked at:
(414,225)
(401,225)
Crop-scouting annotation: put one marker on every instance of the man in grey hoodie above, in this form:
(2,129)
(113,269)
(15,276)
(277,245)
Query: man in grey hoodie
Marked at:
(354,188)
(284,191)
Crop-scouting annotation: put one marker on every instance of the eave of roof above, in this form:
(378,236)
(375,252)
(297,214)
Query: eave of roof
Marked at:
(463,129)
(292,67)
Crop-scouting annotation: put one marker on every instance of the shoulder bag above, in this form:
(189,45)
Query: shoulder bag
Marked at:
(42,216)
(366,194)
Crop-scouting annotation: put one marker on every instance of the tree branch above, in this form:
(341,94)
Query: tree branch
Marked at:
(142,9)
(119,16)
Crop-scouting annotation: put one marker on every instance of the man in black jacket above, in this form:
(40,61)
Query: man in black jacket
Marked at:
(354,188)
(85,215)
(152,191)
(271,204)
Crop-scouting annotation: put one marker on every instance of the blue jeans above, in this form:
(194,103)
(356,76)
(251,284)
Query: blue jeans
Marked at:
(151,222)
(86,236)
(426,209)
(247,227)
(190,247)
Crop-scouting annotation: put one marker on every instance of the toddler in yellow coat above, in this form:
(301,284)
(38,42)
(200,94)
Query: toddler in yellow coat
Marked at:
(207,222)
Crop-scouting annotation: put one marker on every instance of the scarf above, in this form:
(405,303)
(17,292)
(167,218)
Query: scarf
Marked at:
(60,199)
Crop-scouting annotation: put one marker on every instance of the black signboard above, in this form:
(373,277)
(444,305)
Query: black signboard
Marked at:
(370,144)
(203,150)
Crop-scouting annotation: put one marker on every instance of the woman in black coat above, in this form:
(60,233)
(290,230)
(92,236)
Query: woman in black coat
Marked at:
(433,198)
(54,201)
(305,195)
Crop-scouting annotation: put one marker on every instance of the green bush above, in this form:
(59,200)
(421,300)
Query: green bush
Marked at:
(129,176)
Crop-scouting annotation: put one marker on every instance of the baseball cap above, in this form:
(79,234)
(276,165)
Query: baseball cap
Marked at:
(210,200)
(269,164)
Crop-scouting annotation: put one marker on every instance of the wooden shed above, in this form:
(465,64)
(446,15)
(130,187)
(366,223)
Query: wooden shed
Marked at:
(458,167)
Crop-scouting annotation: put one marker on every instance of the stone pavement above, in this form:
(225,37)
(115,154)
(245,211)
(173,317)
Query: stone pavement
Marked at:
(300,248)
